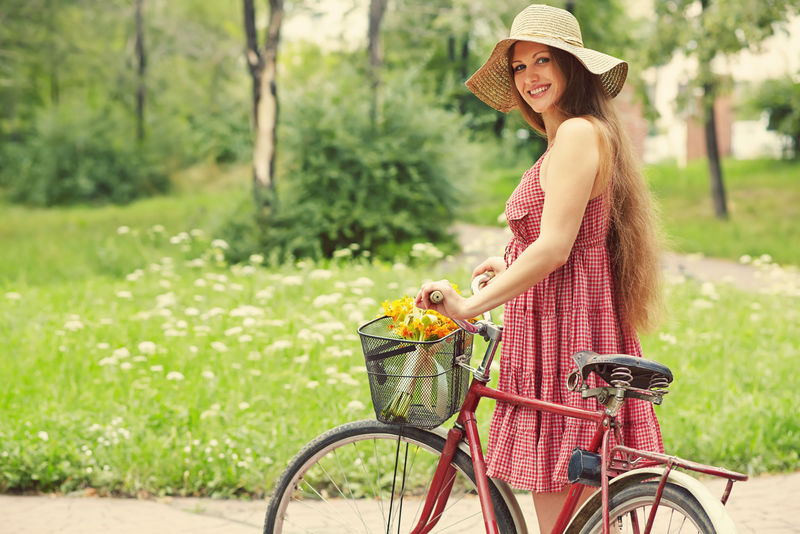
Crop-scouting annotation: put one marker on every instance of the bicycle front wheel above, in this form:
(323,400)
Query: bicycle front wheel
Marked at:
(370,477)
(679,512)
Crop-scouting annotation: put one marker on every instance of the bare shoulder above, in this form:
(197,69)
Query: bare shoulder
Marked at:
(578,133)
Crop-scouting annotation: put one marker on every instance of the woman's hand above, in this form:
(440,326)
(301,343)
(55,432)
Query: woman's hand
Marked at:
(453,305)
(495,264)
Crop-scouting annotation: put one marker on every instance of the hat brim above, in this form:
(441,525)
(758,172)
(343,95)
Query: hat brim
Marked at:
(493,84)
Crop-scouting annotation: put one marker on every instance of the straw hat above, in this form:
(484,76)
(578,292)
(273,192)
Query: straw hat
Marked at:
(551,26)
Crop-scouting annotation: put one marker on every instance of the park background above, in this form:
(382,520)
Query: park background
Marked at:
(186,258)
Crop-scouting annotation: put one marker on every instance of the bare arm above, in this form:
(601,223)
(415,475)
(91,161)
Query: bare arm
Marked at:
(571,173)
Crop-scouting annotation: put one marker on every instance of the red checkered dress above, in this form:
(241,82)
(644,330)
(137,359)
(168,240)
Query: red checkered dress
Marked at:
(569,311)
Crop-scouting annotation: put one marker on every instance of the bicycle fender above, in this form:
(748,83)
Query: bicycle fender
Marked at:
(502,486)
(711,504)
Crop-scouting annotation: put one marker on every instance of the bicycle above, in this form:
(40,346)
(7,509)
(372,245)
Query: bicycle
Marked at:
(390,468)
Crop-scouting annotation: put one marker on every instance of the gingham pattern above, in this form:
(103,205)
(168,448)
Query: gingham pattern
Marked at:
(569,311)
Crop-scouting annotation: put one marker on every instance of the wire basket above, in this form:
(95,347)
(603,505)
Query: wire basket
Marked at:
(416,383)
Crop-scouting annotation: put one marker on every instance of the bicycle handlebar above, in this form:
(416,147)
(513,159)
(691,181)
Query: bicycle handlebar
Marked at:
(477,284)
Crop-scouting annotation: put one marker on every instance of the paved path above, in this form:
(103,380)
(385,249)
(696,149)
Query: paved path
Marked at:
(764,505)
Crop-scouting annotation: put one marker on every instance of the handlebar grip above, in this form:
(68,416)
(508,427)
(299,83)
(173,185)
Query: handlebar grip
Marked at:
(436,297)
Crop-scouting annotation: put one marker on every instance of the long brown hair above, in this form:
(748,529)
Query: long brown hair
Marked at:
(634,238)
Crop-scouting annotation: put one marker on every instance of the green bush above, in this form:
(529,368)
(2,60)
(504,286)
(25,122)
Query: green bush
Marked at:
(348,179)
(781,100)
(76,156)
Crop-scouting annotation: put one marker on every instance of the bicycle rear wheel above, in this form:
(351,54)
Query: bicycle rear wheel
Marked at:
(679,512)
(370,477)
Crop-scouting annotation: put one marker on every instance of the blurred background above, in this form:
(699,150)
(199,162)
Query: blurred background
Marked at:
(201,200)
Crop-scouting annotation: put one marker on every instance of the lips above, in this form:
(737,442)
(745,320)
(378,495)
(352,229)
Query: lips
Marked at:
(539,91)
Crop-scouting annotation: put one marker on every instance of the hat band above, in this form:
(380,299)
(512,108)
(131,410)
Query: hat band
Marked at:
(573,42)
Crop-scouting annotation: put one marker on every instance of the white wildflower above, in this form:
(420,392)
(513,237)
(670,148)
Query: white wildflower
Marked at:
(667,338)
(157,368)
(125,366)
(13,295)
(246,310)
(208,375)
(73,324)
(702,304)
(124,295)
(326,300)
(258,259)
(122,230)
(281,344)
(233,331)
(354,406)
(122,352)
(303,358)
(244,405)
(320,274)
(312,384)
(147,347)
(362,282)
(219,243)
(175,375)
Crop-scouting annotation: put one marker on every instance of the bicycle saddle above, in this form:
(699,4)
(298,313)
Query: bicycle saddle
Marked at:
(644,374)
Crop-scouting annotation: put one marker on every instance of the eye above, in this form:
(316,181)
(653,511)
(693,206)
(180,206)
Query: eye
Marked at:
(518,68)
(542,59)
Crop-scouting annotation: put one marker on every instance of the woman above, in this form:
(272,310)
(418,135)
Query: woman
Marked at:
(582,269)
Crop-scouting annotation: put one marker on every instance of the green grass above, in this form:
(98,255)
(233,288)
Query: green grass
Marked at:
(136,363)
(45,246)
(763,201)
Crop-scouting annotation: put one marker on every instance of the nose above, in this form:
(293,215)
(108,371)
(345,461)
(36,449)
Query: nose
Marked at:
(529,76)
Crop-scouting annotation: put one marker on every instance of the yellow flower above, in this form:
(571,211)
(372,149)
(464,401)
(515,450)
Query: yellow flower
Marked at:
(410,322)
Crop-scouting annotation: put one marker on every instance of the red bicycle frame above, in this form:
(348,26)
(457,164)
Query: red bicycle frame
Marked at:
(466,424)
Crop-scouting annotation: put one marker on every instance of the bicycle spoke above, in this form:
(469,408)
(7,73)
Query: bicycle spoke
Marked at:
(343,481)
(350,491)
(318,511)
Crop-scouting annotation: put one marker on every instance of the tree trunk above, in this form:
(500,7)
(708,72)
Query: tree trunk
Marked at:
(263,70)
(377,8)
(712,150)
(140,75)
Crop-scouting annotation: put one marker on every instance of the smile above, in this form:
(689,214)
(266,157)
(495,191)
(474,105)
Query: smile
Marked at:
(539,91)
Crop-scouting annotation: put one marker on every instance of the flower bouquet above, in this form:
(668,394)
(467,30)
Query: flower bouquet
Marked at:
(420,367)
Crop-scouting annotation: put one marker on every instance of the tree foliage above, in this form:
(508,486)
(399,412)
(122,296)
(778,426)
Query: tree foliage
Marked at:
(704,30)
(781,101)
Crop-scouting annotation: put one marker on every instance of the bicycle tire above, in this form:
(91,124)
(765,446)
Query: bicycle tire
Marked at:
(348,462)
(678,512)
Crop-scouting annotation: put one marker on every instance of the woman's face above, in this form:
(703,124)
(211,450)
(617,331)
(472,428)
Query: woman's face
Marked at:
(536,76)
